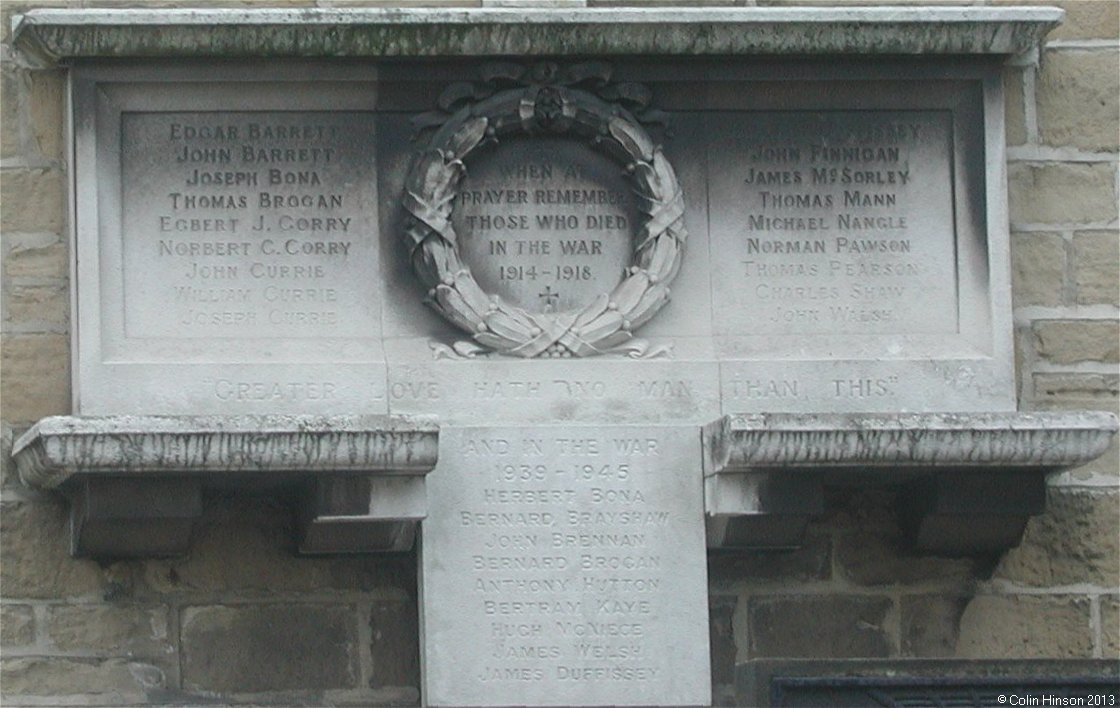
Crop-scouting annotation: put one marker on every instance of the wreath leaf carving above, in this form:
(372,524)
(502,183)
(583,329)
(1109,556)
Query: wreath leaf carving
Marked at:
(580,102)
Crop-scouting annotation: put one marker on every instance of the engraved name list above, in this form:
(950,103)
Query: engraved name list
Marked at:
(246,224)
(841,224)
(568,548)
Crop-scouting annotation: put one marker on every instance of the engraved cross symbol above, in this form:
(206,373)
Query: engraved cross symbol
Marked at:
(549,298)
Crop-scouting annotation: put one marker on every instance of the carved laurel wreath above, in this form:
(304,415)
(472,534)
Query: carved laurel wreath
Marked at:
(515,100)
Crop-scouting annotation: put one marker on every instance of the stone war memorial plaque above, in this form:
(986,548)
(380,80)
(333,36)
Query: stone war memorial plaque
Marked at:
(565,566)
(855,263)
(233,227)
(576,266)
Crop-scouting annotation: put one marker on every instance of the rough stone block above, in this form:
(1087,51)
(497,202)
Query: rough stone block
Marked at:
(1038,264)
(1110,626)
(40,306)
(32,200)
(1061,193)
(109,629)
(733,569)
(1085,19)
(1076,541)
(1096,267)
(870,546)
(123,681)
(1071,341)
(17,625)
(263,560)
(1026,627)
(1078,98)
(36,381)
(931,625)
(1014,106)
(870,559)
(37,564)
(395,645)
(35,256)
(250,649)
(45,111)
(814,626)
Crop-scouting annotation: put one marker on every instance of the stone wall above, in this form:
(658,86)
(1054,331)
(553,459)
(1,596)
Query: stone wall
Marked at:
(243,618)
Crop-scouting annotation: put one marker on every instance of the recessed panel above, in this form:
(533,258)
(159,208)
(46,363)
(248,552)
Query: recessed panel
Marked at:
(834,222)
(247,225)
(546,223)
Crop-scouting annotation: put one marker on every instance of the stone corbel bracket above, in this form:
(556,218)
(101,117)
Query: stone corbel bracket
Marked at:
(967,483)
(135,482)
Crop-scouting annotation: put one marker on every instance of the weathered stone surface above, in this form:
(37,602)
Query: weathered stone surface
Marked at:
(262,561)
(35,256)
(714,30)
(606,526)
(813,626)
(109,629)
(45,111)
(931,624)
(1096,267)
(1071,341)
(58,447)
(33,200)
(394,645)
(17,625)
(1110,626)
(1076,541)
(120,680)
(1026,627)
(9,10)
(34,539)
(870,548)
(7,465)
(721,637)
(1014,107)
(1038,264)
(11,139)
(734,569)
(1085,19)
(1061,193)
(36,380)
(250,649)
(42,306)
(1078,98)
(876,558)
(814,441)
(1077,391)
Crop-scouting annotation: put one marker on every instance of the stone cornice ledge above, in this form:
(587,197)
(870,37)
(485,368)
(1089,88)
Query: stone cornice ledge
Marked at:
(57,448)
(920,441)
(55,35)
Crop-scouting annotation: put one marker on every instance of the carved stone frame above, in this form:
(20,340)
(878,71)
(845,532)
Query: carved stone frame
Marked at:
(548,101)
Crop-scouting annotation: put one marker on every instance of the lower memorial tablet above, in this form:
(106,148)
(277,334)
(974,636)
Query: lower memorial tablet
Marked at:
(565,566)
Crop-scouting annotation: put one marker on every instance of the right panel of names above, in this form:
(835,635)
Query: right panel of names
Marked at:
(833,223)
